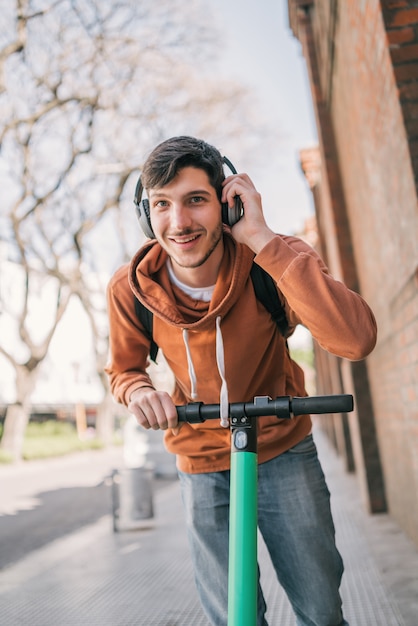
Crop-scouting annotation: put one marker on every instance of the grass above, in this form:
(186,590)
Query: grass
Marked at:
(51,439)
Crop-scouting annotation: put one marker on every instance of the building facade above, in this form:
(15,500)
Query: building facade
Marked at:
(362,62)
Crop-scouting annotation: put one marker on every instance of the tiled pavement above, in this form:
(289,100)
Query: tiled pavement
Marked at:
(143,577)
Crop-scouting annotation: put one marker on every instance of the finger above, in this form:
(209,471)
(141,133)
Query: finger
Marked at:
(144,416)
(237,185)
(170,411)
(155,410)
(144,412)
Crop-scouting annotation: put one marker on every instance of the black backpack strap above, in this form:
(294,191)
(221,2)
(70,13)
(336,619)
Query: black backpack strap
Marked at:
(266,291)
(146,318)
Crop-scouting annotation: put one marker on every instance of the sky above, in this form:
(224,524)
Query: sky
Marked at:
(261,51)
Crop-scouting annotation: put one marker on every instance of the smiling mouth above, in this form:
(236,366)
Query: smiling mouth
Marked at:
(183,240)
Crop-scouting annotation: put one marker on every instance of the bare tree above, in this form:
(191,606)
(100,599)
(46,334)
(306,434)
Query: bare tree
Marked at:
(86,89)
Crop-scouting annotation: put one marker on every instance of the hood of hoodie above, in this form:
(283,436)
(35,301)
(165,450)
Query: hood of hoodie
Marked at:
(149,281)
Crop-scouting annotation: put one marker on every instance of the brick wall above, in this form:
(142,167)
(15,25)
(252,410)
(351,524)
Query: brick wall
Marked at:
(401,23)
(368,87)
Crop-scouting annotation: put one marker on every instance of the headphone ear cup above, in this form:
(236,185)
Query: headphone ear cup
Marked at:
(143,214)
(230,216)
(142,211)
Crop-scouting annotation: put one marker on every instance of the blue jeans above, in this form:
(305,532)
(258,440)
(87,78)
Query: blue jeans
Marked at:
(294,518)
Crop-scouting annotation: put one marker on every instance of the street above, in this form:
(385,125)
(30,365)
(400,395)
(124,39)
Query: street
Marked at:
(58,543)
(55,514)
(42,501)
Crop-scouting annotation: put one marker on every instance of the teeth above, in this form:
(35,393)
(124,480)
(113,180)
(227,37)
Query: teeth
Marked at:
(185,240)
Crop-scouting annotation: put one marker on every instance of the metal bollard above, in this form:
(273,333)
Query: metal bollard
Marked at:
(132,498)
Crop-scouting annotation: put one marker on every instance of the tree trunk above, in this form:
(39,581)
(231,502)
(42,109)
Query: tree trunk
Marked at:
(18,414)
(105,419)
(16,420)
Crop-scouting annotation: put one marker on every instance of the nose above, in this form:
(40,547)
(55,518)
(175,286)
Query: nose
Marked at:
(180,217)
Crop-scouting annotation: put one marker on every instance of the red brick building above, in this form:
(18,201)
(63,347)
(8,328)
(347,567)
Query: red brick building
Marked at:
(362,61)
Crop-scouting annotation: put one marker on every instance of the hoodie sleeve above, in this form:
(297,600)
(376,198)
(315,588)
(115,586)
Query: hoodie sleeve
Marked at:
(128,344)
(337,317)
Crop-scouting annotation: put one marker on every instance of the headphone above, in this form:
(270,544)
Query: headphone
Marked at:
(230,215)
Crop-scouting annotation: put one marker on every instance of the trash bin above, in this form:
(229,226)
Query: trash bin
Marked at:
(132,498)
(132,485)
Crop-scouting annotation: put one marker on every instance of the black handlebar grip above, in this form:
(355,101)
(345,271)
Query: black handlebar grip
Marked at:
(190,413)
(197,412)
(322,404)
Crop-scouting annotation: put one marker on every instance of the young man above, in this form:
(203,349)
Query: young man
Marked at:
(218,338)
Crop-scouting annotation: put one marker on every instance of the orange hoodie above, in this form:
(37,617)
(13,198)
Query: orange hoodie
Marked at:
(256,361)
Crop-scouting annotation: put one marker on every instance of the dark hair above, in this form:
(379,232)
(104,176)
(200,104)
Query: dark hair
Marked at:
(172,155)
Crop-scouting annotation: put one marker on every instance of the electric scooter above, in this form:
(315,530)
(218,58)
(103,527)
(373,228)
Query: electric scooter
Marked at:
(242,574)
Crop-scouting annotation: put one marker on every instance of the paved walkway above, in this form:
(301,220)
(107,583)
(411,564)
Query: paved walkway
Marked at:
(143,577)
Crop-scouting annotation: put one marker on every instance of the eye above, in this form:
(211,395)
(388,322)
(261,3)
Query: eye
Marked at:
(160,204)
(196,199)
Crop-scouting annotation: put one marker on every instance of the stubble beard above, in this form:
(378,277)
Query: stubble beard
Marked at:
(214,242)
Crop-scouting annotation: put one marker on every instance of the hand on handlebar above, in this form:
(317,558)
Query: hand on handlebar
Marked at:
(154,409)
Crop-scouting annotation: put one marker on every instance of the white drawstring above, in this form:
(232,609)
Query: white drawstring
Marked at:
(220,360)
(192,373)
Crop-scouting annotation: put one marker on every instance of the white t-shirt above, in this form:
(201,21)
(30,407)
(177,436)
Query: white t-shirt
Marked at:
(197,293)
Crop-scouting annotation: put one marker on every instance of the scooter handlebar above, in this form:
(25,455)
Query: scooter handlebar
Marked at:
(282,407)
(323,404)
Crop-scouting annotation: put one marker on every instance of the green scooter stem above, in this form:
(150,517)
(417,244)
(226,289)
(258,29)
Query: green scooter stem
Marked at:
(243,567)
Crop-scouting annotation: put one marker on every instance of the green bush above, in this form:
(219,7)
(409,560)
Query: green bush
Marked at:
(5,457)
(49,428)
(50,438)
(303,356)
(53,438)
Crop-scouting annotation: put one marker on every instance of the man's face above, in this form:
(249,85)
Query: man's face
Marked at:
(186,219)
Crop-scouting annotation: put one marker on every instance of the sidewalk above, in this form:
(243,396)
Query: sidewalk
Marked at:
(144,578)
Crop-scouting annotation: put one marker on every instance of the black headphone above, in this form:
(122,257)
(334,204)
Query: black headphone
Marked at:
(230,216)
